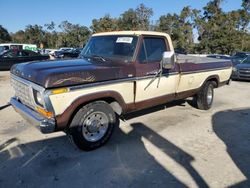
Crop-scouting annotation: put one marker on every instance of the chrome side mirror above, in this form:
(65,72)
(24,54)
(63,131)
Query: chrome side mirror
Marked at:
(168,60)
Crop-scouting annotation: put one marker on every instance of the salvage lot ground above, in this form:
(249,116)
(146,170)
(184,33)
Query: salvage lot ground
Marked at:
(168,146)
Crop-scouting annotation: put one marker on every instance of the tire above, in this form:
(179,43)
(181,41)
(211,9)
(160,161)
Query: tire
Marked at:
(204,98)
(93,125)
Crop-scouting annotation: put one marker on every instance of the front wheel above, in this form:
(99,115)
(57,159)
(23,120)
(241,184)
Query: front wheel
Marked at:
(204,98)
(93,125)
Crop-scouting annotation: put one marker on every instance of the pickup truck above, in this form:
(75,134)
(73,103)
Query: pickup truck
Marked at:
(116,73)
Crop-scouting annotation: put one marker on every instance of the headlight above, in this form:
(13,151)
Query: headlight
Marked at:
(38,98)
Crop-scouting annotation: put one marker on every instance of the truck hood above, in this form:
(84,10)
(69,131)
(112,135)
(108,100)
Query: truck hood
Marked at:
(243,66)
(52,74)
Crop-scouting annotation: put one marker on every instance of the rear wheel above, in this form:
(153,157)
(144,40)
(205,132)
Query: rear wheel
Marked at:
(93,125)
(204,98)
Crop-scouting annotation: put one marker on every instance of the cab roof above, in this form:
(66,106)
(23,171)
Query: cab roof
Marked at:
(138,33)
(132,33)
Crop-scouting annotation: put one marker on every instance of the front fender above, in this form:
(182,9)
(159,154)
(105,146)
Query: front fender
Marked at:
(64,119)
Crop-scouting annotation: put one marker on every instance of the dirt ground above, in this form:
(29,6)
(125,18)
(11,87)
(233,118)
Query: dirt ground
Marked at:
(174,145)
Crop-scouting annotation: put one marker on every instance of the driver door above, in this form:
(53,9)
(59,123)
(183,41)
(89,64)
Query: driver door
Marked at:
(153,89)
(8,59)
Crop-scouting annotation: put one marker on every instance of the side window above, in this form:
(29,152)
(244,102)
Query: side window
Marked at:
(151,50)
(25,54)
(10,54)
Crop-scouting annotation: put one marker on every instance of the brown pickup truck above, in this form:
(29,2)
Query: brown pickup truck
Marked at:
(116,73)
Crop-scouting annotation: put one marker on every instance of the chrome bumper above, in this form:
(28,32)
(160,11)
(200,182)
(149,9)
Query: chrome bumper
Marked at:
(34,118)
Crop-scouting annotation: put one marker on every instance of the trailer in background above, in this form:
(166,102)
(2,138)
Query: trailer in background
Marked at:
(8,46)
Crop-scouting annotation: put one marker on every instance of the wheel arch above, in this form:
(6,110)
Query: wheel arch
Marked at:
(114,99)
(213,78)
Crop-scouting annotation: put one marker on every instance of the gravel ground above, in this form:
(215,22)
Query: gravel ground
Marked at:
(169,146)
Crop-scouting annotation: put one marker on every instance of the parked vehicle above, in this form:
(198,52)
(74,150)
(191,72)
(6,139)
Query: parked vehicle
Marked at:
(8,46)
(242,71)
(219,56)
(73,53)
(55,53)
(239,57)
(118,73)
(11,57)
(44,51)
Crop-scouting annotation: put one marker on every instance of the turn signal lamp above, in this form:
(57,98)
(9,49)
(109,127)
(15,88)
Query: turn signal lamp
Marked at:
(44,112)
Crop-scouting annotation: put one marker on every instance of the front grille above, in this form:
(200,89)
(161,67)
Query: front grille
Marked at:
(22,92)
(244,72)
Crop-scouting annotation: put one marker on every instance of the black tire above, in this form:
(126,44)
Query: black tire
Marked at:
(93,125)
(204,98)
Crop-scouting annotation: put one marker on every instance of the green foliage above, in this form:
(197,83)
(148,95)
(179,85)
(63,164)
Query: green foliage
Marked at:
(221,32)
(128,20)
(72,35)
(210,30)
(180,27)
(34,34)
(132,19)
(104,24)
(4,35)
(218,31)
(143,15)
(18,37)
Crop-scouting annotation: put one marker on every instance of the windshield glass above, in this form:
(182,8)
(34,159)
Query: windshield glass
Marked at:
(241,55)
(111,47)
(247,60)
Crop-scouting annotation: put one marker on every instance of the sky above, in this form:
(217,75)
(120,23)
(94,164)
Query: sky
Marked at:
(16,14)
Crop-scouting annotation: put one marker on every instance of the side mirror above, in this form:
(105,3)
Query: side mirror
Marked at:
(168,60)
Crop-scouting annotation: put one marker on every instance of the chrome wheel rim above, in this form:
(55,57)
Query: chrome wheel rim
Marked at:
(95,126)
(210,95)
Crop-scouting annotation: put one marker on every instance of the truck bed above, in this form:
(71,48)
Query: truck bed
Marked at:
(196,59)
(189,64)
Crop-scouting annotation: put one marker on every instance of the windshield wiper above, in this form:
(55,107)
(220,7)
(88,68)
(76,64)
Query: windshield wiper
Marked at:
(94,56)
(99,57)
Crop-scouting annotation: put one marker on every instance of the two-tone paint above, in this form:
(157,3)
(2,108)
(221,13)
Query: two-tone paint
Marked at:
(124,85)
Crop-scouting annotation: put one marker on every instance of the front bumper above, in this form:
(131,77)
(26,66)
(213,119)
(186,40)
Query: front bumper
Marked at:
(238,77)
(34,118)
(241,75)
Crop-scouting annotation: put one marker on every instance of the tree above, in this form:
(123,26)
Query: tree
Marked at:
(180,27)
(18,37)
(4,35)
(34,34)
(135,19)
(73,35)
(50,26)
(51,35)
(103,24)
(128,20)
(143,15)
(218,31)
(223,32)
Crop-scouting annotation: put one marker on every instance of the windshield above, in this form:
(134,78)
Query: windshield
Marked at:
(111,47)
(247,60)
(241,55)
(3,49)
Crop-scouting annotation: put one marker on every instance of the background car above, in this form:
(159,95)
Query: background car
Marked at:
(242,70)
(239,57)
(219,56)
(11,57)
(71,53)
